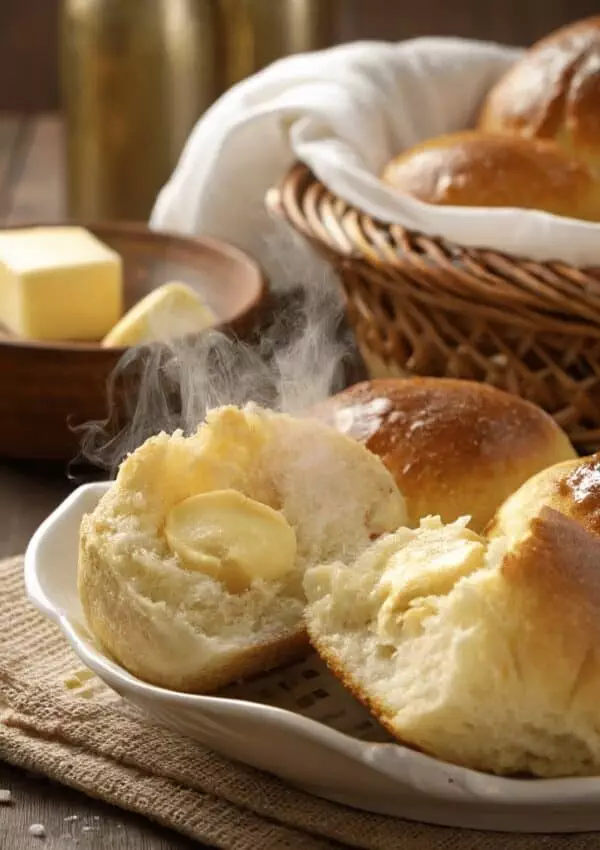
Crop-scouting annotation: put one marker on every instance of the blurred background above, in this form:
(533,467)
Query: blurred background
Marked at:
(97,96)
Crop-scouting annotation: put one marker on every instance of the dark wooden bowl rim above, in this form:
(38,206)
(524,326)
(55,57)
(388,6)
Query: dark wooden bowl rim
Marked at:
(141,230)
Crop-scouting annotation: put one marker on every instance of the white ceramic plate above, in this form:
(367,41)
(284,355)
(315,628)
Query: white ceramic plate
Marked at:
(300,724)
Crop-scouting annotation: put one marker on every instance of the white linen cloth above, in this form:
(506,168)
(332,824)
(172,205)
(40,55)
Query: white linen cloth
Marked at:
(345,112)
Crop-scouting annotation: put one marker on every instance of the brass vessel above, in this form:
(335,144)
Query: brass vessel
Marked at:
(257,32)
(137,74)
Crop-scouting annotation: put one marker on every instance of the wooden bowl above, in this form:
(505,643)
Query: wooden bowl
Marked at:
(47,388)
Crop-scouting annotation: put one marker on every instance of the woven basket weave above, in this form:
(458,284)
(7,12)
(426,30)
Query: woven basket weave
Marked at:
(422,306)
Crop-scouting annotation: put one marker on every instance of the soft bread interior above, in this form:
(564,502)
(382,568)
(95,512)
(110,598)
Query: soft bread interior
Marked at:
(158,609)
(479,654)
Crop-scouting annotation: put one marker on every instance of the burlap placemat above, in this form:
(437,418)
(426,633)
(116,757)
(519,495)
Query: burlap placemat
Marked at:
(104,747)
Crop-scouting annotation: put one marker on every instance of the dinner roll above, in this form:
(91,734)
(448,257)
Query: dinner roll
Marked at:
(484,654)
(190,567)
(454,447)
(480,170)
(571,488)
(553,92)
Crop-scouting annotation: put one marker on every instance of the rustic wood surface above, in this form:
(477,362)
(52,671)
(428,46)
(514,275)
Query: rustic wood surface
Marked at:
(31,187)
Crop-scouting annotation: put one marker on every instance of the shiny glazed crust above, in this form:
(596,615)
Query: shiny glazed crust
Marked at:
(571,488)
(484,170)
(553,92)
(454,447)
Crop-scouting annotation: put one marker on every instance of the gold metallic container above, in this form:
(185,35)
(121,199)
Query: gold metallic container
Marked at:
(260,31)
(137,74)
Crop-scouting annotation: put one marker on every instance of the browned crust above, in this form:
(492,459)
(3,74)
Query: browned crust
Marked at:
(485,170)
(552,90)
(556,570)
(579,492)
(570,488)
(455,419)
(453,446)
(552,580)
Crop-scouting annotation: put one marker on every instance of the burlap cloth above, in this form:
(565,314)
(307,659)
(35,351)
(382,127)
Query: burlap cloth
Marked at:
(107,749)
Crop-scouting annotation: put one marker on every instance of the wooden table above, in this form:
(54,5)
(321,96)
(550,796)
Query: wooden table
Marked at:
(31,188)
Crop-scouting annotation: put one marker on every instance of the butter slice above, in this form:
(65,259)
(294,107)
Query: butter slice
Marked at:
(232,538)
(169,312)
(58,283)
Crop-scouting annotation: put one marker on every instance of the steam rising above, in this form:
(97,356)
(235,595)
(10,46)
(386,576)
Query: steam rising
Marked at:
(298,359)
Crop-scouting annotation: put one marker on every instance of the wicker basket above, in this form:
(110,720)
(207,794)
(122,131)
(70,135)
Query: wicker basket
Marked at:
(422,306)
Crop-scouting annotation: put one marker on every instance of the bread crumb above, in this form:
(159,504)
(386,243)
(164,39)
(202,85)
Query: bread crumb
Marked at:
(87,693)
(78,678)
(85,675)
(5,797)
(38,830)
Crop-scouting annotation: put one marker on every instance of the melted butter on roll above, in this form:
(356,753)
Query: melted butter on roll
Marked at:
(191,566)
(484,650)
(429,562)
(232,538)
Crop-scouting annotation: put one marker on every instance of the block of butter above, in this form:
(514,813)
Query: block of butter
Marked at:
(169,312)
(58,283)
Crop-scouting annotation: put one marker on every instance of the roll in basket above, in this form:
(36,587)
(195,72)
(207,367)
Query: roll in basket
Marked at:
(420,305)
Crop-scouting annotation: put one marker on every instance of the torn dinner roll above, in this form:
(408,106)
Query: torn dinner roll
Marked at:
(191,566)
(484,654)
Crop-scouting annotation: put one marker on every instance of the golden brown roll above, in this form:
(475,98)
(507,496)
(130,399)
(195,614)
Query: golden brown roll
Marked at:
(484,170)
(454,447)
(571,488)
(553,92)
(482,653)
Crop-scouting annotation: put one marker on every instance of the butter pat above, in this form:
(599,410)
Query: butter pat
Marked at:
(169,312)
(58,283)
(232,538)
